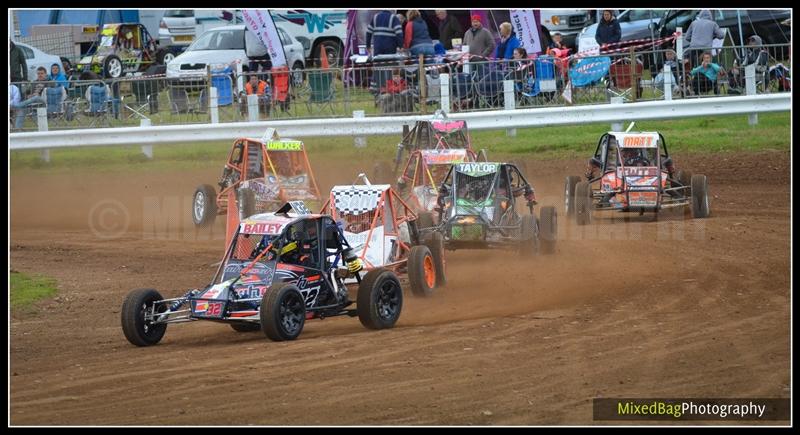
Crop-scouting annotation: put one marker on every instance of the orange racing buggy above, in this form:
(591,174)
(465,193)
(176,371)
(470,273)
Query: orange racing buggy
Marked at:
(632,171)
(263,174)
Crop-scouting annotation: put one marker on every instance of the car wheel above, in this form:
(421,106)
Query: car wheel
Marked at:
(282,312)
(333,50)
(700,206)
(421,271)
(380,299)
(435,242)
(137,329)
(204,206)
(113,67)
(548,222)
(583,203)
(569,194)
(164,57)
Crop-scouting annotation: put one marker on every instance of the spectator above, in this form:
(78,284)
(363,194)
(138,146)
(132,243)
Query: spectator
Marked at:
(384,33)
(17,63)
(395,95)
(56,75)
(608,31)
(258,87)
(508,42)
(521,64)
(417,40)
(402,19)
(556,42)
(669,59)
(704,76)
(449,28)
(479,40)
(755,54)
(35,97)
(700,34)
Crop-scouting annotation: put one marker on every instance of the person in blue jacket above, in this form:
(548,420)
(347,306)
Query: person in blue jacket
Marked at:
(56,75)
(608,30)
(704,76)
(508,42)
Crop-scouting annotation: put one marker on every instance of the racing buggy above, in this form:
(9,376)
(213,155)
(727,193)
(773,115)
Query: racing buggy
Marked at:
(120,49)
(480,206)
(633,172)
(384,229)
(419,183)
(279,270)
(438,133)
(262,174)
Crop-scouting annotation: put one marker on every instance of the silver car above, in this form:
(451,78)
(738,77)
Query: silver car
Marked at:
(36,58)
(633,23)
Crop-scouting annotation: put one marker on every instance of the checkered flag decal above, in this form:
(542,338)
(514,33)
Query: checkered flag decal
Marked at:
(356,200)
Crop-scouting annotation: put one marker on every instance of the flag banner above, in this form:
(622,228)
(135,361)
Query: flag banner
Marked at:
(527,29)
(259,21)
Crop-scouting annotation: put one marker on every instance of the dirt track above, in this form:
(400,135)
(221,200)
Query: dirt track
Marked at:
(643,308)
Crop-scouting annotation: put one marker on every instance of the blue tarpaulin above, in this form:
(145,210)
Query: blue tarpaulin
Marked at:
(589,70)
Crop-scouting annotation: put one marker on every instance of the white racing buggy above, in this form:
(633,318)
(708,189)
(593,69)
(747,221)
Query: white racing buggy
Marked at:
(479,208)
(279,270)
(383,230)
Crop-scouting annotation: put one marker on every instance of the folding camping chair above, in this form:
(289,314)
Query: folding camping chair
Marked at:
(585,75)
(462,91)
(101,106)
(622,81)
(490,89)
(58,107)
(322,91)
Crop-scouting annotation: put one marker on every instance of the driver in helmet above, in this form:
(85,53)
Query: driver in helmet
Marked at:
(293,250)
(634,157)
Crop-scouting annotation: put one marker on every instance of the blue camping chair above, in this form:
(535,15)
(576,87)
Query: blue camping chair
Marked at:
(588,72)
(57,107)
(100,104)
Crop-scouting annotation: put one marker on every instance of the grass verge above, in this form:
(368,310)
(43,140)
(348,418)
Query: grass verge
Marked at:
(26,290)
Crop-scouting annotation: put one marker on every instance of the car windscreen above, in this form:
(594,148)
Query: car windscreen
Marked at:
(179,13)
(474,191)
(224,39)
(248,246)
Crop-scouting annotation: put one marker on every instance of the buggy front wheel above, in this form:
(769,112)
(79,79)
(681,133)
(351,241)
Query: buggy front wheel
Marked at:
(282,312)
(380,299)
(583,203)
(137,325)
(204,206)
(421,271)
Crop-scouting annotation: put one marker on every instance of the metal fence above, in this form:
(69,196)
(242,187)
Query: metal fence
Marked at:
(396,87)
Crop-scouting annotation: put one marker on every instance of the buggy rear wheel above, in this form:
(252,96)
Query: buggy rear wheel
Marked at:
(435,242)
(245,327)
(569,194)
(204,206)
(247,202)
(529,236)
(421,271)
(583,203)
(548,229)
(380,299)
(700,207)
(282,312)
(137,328)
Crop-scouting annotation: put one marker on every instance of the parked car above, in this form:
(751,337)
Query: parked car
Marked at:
(223,46)
(766,23)
(176,31)
(568,22)
(36,58)
(634,24)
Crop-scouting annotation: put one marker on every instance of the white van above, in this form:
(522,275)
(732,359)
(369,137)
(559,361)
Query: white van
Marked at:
(315,28)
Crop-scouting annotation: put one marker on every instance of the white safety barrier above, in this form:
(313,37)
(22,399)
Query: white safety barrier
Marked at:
(393,125)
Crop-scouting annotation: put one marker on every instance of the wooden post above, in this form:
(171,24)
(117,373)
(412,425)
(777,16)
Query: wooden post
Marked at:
(634,84)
